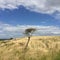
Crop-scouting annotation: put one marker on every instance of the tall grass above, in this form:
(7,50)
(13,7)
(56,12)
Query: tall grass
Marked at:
(39,48)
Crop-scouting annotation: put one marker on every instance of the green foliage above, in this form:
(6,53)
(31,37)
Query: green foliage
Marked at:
(29,31)
(58,56)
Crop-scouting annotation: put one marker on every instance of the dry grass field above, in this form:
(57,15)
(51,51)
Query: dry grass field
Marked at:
(39,48)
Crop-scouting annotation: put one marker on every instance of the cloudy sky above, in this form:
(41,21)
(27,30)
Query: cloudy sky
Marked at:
(17,15)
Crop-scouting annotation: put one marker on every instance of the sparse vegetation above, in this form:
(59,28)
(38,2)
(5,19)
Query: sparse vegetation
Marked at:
(39,48)
(28,33)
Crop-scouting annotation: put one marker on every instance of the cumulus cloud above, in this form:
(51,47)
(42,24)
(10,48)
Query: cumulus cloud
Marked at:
(7,31)
(41,6)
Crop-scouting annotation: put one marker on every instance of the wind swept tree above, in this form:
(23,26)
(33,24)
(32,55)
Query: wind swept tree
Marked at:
(28,33)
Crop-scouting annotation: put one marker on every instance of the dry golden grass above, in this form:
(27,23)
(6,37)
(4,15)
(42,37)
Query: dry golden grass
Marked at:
(39,48)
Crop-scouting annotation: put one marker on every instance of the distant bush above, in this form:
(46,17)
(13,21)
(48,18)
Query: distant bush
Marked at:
(11,38)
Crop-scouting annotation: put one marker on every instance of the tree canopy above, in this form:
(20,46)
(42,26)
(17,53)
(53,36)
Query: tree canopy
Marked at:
(30,31)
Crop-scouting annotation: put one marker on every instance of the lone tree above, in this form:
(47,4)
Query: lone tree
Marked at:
(28,33)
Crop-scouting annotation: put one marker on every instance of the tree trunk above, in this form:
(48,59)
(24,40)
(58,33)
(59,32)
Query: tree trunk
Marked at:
(27,42)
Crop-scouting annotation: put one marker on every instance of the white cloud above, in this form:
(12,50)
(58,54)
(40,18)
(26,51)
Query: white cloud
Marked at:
(41,6)
(7,30)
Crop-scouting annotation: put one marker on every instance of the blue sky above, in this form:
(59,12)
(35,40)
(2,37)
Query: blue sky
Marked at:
(16,16)
(23,16)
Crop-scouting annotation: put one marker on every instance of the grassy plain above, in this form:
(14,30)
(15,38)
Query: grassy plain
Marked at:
(39,48)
